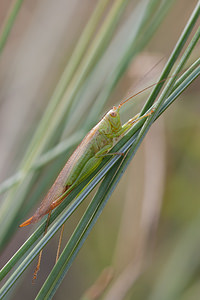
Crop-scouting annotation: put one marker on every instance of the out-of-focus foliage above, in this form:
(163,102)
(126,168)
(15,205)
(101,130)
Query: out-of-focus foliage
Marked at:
(160,190)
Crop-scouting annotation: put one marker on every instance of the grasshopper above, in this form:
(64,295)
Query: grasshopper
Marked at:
(83,161)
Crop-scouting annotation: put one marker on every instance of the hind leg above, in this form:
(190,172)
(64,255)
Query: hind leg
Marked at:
(40,254)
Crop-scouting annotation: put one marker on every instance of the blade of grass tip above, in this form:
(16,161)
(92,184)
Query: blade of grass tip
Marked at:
(9,22)
(179,46)
(76,241)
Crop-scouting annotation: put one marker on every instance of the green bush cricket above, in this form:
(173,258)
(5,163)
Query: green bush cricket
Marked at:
(83,161)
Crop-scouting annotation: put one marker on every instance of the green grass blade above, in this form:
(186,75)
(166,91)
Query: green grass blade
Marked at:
(9,22)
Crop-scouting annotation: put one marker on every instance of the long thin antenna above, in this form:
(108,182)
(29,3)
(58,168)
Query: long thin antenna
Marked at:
(148,87)
(140,80)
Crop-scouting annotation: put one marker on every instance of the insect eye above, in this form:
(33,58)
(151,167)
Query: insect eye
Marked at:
(113,114)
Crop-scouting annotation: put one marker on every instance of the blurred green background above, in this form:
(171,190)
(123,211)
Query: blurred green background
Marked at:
(148,234)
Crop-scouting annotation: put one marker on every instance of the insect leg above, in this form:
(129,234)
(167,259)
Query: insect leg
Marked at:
(40,254)
(130,123)
(137,118)
(59,243)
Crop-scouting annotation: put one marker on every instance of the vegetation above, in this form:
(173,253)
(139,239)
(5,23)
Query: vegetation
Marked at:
(114,35)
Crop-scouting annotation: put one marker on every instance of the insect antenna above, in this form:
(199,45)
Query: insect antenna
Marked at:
(146,88)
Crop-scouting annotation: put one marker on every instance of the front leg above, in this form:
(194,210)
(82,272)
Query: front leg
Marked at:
(130,123)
